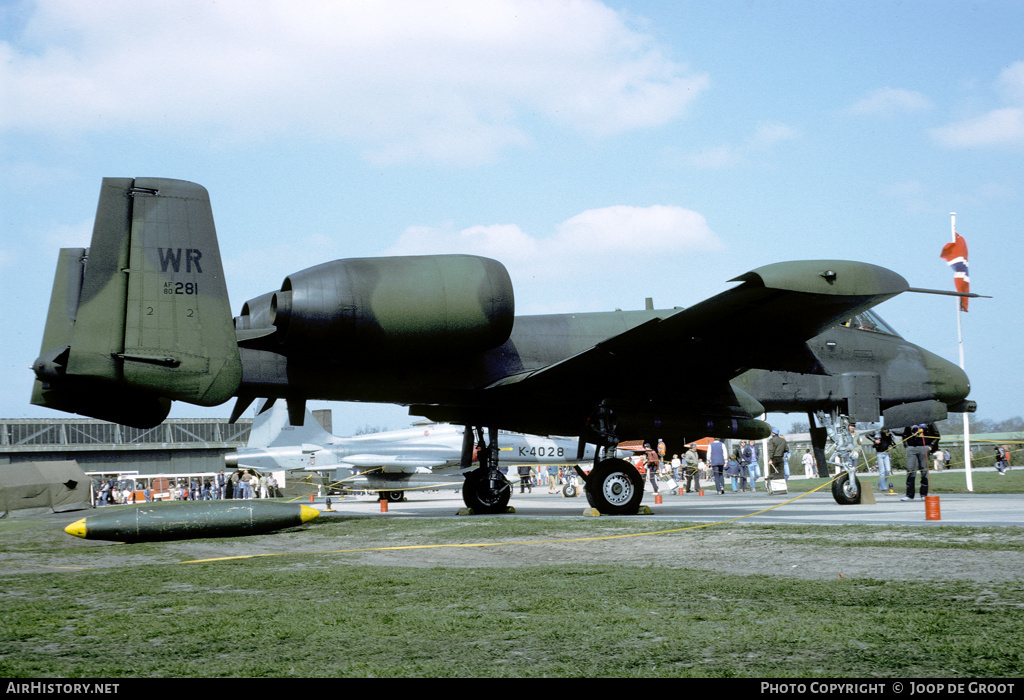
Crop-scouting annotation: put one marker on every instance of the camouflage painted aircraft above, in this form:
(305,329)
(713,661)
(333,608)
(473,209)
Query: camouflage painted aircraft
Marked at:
(865,370)
(390,462)
(142,319)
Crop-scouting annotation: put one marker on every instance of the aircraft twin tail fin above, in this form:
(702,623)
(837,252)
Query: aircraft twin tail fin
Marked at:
(141,317)
(273,427)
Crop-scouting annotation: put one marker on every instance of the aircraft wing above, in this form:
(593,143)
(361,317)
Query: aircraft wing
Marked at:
(763,323)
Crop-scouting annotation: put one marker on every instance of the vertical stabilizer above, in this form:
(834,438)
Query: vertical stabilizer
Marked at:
(179,334)
(142,317)
(272,428)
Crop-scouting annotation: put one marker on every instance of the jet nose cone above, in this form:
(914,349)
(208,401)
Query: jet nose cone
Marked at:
(950,383)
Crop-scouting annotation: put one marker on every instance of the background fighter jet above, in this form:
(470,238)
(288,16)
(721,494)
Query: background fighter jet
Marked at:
(143,319)
(425,456)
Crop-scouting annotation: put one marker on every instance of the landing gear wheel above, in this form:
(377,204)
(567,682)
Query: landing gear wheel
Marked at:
(845,490)
(478,494)
(615,488)
(392,496)
(569,491)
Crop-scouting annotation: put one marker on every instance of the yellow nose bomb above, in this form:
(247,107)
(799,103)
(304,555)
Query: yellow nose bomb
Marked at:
(76,528)
(190,519)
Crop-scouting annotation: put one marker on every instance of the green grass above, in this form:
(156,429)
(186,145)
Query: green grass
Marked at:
(306,615)
(237,620)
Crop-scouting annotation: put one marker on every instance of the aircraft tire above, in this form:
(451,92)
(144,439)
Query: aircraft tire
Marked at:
(477,494)
(392,496)
(569,491)
(615,488)
(845,492)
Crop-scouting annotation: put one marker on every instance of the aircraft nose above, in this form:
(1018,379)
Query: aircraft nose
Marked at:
(949,382)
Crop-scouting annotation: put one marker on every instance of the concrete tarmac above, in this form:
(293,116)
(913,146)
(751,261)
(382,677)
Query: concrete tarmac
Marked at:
(819,508)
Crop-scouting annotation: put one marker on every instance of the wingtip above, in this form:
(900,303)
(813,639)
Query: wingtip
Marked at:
(831,277)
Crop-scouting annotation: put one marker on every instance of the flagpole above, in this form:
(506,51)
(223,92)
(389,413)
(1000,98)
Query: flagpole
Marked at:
(960,343)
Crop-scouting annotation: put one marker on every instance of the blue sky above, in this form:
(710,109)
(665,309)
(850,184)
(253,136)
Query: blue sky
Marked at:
(605,152)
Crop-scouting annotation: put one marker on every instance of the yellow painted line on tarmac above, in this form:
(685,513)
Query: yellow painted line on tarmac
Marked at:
(27,564)
(507,544)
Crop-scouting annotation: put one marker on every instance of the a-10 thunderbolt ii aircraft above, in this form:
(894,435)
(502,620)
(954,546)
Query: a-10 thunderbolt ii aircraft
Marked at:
(389,462)
(142,319)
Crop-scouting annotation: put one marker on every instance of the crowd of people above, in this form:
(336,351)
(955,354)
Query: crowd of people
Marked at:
(554,477)
(240,484)
(111,491)
(739,469)
(741,466)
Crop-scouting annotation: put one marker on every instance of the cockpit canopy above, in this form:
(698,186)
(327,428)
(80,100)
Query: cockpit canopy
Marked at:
(870,321)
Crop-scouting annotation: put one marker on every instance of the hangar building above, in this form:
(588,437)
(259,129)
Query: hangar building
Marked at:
(177,446)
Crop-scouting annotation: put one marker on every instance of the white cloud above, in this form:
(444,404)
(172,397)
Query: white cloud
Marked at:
(594,249)
(725,156)
(504,242)
(596,233)
(1000,127)
(1003,126)
(1011,83)
(402,79)
(771,133)
(888,102)
(622,230)
(764,138)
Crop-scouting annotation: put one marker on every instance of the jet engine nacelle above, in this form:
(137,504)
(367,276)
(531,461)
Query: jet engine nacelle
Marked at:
(400,305)
(255,313)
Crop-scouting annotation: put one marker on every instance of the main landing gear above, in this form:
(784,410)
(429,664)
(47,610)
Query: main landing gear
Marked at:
(486,490)
(615,487)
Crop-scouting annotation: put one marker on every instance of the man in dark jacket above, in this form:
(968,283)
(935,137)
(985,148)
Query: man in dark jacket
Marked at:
(777,449)
(920,441)
(717,458)
(524,478)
